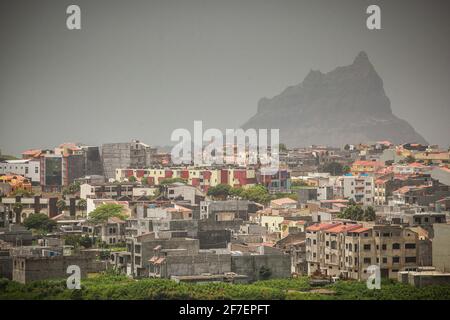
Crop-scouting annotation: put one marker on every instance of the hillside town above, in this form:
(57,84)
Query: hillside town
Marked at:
(328,214)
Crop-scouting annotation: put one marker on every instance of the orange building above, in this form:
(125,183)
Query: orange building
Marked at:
(16,182)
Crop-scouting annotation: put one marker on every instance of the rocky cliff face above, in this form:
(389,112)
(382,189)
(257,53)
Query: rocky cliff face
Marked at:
(346,105)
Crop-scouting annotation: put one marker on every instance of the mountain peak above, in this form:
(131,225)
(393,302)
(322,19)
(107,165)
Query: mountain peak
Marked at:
(345,105)
(362,59)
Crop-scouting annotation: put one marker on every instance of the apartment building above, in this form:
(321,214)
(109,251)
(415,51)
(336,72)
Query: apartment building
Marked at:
(347,250)
(202,178)
(359,188)
(134,154)
(28,168)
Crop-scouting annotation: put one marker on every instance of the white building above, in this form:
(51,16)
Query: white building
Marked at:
(359,188)
(28,168)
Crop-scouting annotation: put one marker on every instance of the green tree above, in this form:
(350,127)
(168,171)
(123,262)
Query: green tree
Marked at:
(346,169)
(22,193)
(264,273)
(257,193)
(221,191)
(236,192)
(82,204)
(39,221)
(333,168)
(102,213)
(369,214)
(132,179)
(73,188)
(352,212)
(282,147)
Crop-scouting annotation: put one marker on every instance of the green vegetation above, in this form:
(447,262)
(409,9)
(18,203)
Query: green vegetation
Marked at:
(77,240)
(355,212)
(22,193)
(333,168)
(166,181)
(72,189)
(102,213)
(39,222)
(221,191)
(110,286)
(132,179)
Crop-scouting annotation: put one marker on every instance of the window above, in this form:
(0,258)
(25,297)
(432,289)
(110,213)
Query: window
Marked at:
(367,260)
(367,247)
(395,259)
(410,245)
(383,247)
(384,260)
(410,259)
(396,246)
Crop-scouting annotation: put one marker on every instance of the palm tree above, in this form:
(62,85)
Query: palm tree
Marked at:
(61,205)
(82,204)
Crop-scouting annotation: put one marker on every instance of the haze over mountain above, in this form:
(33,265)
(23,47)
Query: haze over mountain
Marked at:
(346,105)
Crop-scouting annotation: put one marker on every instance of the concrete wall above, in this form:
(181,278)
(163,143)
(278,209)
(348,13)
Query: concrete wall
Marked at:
(250,265)
(197,264)
(26,269)
(441,247)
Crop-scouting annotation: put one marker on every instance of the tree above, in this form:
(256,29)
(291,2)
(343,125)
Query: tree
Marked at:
(22,193)
(17,208)
(102,213)
(82,204)
(347,147)
(77,240)
(369,214)
(61,205)
(236,192)
(257,193)
(39,221)
(352,212)
(345,169)
(73,188)
(221,191)
(132,179)
(282,147)
(264,273)
(333,168)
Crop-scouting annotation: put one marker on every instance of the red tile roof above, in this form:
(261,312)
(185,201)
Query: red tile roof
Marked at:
(321,226)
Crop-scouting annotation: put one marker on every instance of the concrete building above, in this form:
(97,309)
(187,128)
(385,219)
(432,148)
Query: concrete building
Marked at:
(347,250)
(441,247)
(359,188)
(32,268)
(224,210)
(134,154)
(28,168)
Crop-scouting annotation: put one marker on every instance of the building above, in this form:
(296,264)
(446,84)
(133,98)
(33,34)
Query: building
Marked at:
(359,188)
(28,168)
(441,247)
(11,183)
(347,250)
(134,154)
(283,203)
(28,268)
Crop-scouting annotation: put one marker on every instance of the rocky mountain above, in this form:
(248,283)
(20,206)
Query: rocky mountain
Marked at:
(346,105)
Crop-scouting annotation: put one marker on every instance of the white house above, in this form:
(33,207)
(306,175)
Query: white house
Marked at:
(29,168)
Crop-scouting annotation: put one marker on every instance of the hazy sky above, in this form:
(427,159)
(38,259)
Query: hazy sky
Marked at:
(139,69)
